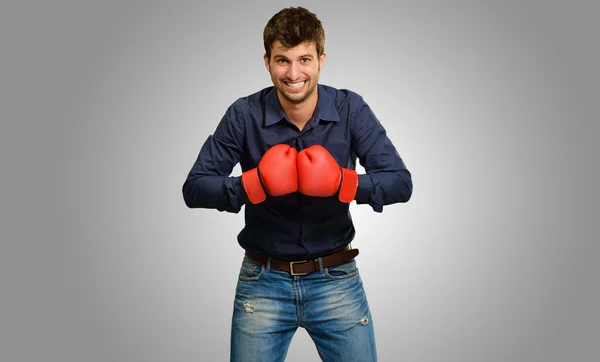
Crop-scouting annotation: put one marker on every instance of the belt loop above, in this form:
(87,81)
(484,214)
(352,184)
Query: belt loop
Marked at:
(268,264)
(320,265)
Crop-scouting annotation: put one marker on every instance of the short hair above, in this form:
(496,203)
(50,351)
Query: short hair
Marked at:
(293,26)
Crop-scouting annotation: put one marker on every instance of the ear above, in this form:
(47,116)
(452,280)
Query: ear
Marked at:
(322,60)
(267,63)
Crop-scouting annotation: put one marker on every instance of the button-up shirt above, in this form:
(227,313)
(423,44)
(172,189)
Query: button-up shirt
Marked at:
(296,226)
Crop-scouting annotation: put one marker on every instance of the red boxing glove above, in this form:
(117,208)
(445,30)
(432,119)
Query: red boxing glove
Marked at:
(277,171)
(320,175)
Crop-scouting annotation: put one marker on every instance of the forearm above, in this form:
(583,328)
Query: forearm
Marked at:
(384,188)
(215,192)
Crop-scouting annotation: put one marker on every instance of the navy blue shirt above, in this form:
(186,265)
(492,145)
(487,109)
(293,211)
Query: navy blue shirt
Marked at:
(297,226)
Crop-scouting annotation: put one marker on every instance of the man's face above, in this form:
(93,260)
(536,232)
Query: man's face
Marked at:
(294,71)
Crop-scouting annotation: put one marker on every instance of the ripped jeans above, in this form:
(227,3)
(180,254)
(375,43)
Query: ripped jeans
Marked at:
(330,304)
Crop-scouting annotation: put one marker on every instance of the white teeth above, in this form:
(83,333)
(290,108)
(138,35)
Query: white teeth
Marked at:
(296,85)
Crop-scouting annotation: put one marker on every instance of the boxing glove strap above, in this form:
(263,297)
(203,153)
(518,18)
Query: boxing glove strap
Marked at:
(253,187)
(349,185)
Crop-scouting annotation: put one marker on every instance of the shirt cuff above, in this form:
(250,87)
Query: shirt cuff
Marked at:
(240,192)
(363,193)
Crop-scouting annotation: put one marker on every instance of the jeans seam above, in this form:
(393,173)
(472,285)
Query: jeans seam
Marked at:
(298,303)
(336,277)
(320,352)
(287,348)
(254,278)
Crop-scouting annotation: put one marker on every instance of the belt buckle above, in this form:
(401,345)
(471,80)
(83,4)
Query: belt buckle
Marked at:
(292,267)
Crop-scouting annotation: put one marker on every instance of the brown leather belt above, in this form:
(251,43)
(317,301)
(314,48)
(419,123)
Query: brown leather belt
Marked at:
(302,267)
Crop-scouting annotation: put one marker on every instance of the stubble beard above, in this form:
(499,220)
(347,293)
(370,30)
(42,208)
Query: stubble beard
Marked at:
(295,100)
(309,91)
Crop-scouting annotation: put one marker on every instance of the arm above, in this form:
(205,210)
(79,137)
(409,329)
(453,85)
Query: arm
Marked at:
(387,180)
(208,184)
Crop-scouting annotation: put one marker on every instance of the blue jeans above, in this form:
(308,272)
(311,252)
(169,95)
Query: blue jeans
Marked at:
(330,304)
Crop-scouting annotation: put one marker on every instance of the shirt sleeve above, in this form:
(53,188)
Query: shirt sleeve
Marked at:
(387,180)
(209,184)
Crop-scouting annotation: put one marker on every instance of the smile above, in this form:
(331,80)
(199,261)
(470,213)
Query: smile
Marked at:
(297,85)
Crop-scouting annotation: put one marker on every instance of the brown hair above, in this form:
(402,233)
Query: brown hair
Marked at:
(294,26)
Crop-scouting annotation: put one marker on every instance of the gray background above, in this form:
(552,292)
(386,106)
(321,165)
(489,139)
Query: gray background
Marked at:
(493,106)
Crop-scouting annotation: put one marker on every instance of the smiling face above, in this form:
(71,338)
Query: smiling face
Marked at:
(295,71)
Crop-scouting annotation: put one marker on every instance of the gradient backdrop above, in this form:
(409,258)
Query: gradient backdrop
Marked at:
(493,106)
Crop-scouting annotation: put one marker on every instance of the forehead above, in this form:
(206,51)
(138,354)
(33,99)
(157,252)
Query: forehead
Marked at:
(300,49)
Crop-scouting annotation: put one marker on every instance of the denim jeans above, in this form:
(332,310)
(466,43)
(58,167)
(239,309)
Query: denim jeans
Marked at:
(330,304)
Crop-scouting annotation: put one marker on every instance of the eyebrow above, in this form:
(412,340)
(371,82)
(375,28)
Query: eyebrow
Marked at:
(299,57)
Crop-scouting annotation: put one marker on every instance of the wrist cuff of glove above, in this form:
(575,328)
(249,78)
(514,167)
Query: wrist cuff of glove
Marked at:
(349,185)
(253,186)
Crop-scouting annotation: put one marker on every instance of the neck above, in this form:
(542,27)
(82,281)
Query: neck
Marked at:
(300,113)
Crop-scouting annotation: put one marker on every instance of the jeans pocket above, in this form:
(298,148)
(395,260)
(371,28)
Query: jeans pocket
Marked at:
(250,270)
(342,271)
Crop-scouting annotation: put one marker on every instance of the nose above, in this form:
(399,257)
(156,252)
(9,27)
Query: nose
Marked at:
(294,71)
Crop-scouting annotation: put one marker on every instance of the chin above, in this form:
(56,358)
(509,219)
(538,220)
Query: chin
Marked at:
(297,98)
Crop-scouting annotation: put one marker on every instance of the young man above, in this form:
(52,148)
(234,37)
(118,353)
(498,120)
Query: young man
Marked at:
(297,143)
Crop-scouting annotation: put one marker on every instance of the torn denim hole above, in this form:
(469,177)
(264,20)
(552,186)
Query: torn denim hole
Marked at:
(248,307)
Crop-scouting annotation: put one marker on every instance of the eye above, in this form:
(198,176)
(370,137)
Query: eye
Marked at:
(305,60)
(281,61)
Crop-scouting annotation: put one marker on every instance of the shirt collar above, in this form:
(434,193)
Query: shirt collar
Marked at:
(325,110)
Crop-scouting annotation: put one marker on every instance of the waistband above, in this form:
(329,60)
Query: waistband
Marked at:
(302,267)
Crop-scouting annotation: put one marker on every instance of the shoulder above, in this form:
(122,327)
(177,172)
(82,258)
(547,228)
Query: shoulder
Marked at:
(248,110)
(254,100)
(342,97)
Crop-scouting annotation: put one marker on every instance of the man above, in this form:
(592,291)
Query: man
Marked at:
(297,143)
